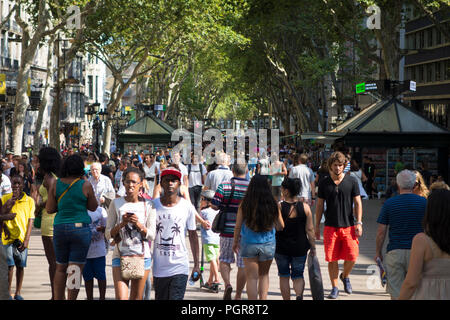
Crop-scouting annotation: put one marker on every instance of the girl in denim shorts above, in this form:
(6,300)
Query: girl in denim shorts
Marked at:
(254,235)
(294,241)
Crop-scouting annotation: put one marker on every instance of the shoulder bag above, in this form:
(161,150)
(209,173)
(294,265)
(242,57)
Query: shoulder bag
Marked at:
(133,267)
(65,191)
(218,225)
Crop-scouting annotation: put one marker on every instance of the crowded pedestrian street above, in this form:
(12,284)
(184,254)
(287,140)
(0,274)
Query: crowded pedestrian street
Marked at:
(365,280)
(232,151)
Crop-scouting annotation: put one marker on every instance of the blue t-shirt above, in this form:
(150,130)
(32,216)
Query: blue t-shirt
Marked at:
(404,214)
(249,236)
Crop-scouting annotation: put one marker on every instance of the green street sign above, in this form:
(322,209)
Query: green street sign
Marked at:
(361,87)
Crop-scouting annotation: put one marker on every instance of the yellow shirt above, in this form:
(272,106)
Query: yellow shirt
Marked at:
(24,209)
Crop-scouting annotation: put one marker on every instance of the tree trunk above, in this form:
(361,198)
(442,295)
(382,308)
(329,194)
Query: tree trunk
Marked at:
(55,112)
(22,102)
(45,98)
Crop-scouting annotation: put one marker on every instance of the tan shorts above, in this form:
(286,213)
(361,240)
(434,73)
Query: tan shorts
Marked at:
(396,263)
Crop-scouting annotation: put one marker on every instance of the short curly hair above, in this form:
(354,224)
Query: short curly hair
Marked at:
(49,160)
(73,166)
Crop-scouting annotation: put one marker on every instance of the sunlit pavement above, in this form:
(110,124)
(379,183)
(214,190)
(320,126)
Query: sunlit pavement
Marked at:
(365,284)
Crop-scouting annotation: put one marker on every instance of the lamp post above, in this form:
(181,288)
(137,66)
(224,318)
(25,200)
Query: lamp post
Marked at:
(121,120)
(93,119)
(102,116)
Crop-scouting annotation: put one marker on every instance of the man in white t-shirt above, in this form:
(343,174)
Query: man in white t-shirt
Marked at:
(174,215)
(306,176)
(219,175)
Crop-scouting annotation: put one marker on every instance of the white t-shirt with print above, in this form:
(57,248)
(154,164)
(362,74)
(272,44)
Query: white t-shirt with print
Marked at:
(131,243)
(170,254)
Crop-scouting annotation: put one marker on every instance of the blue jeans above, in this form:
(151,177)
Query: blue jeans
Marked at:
(290,266)
(71,242)
(14,257)
(262,251)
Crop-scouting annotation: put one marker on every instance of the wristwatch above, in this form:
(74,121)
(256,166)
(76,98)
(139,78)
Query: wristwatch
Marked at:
(359,222)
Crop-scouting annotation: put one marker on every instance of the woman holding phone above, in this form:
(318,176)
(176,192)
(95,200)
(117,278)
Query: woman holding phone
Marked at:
(131,223)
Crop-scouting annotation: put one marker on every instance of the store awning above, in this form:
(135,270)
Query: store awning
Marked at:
(325,138)
(390,123)
(389,116)
(148,129)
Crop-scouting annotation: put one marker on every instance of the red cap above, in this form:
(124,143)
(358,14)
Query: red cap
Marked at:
(171,171)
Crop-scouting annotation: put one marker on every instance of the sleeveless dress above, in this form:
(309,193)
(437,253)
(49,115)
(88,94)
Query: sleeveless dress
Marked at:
(435,282)
(47,219)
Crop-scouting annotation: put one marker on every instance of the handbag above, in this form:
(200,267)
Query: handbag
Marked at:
(133,267)
(37,222)
(67,189)
(38,217)
(218,225)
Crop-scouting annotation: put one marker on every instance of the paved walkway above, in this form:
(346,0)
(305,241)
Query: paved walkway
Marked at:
(365,284)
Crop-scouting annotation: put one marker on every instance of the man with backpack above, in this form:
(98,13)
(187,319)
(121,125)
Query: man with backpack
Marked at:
(197,176)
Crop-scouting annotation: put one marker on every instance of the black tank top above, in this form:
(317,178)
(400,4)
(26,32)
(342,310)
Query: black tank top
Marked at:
(292,240)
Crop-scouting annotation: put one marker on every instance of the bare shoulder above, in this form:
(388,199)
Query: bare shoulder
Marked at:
(307,209)
(420,238)
(419,242)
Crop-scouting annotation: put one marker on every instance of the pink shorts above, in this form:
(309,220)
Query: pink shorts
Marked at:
(340,244)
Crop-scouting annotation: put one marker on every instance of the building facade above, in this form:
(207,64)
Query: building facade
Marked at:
(428,64)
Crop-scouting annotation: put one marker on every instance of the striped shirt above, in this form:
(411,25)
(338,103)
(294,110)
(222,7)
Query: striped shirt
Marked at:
(404,214)
(221,198)
(347,167)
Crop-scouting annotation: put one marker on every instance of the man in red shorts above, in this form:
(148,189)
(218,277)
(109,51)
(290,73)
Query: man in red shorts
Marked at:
(342,227)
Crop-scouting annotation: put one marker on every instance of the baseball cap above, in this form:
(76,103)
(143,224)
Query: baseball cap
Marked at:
(171,171)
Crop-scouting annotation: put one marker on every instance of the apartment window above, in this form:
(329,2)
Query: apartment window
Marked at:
(411,41)
(430,37)
(421,43)
(447,69)
(91,87)
(437,71)
(429,72)
(438,37)
(96,88)
(420,76)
